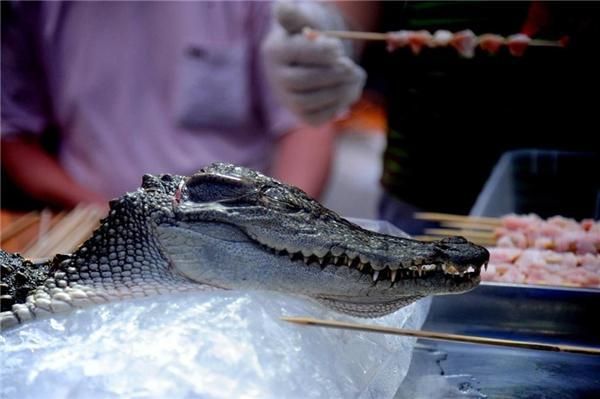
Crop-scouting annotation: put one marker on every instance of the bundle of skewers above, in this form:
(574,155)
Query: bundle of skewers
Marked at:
(528,249)
(41,235)
(464,42)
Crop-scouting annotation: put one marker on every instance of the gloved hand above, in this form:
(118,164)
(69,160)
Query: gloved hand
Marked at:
(316,77)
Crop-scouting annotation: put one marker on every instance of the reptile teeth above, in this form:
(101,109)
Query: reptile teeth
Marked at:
(414,270)
(312,259)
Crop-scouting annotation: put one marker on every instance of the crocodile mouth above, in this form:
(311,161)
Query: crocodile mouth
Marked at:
(448,271)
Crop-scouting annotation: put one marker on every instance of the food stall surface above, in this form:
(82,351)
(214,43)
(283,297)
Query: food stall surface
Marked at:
(525,313)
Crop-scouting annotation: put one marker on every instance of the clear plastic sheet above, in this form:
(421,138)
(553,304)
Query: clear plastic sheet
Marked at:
(214,344)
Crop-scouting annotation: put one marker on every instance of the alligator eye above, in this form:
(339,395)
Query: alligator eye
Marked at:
(274,193)
(277,197)
(212,188)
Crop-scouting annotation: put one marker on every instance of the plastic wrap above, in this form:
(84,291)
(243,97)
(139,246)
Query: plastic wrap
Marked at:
(217,344)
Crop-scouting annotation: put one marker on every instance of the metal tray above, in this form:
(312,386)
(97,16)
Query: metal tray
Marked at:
(520,312)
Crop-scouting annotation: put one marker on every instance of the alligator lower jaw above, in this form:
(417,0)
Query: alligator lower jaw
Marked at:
(368,309)
(390,298)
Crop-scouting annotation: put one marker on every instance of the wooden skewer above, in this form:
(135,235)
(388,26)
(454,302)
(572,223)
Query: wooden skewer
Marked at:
(18,226)
(45,247)
(91,218)
(485,235)
(70,236)
(443,217)
(546,43)
(43,229)
(67,234)
(44,224)
(357,35)
(469,226)
(444,336)
(351,35)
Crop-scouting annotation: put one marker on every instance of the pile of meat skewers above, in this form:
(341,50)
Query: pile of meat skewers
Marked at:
(556,251)
(557,233)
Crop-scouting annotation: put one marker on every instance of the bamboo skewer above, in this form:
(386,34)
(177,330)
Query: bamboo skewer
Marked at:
(19,225)
(478,229)
(357,35)
(484,235)
(447,217)
(44,224)
(469,226)
(89,223)
(351,35)
(44,229)
(45,247)
(75,234)
(444,336)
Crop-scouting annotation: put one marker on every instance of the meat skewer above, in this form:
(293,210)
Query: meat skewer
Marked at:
(465,42)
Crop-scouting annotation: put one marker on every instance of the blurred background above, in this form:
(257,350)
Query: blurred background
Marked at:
(94,95)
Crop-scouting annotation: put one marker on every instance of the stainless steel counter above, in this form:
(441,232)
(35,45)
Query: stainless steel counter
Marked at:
(527,313)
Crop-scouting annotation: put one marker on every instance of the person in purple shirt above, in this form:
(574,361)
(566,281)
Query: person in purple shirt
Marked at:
(144,87)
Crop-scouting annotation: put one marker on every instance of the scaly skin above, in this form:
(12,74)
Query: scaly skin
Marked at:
(229,227)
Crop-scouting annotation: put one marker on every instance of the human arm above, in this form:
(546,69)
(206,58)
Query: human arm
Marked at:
(303,158)
(41,176)
(26,113)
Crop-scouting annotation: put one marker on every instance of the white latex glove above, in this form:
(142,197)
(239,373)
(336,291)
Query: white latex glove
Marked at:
(316,77)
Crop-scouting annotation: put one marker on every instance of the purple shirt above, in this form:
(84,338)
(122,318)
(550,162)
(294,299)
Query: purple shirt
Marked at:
(142,87)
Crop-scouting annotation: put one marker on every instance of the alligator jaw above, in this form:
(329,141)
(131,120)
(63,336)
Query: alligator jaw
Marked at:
(224,255)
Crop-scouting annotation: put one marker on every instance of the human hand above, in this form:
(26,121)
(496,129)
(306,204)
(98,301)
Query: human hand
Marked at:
(316,77)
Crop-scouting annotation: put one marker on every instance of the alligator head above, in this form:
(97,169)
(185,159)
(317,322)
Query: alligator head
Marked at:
(233,228)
